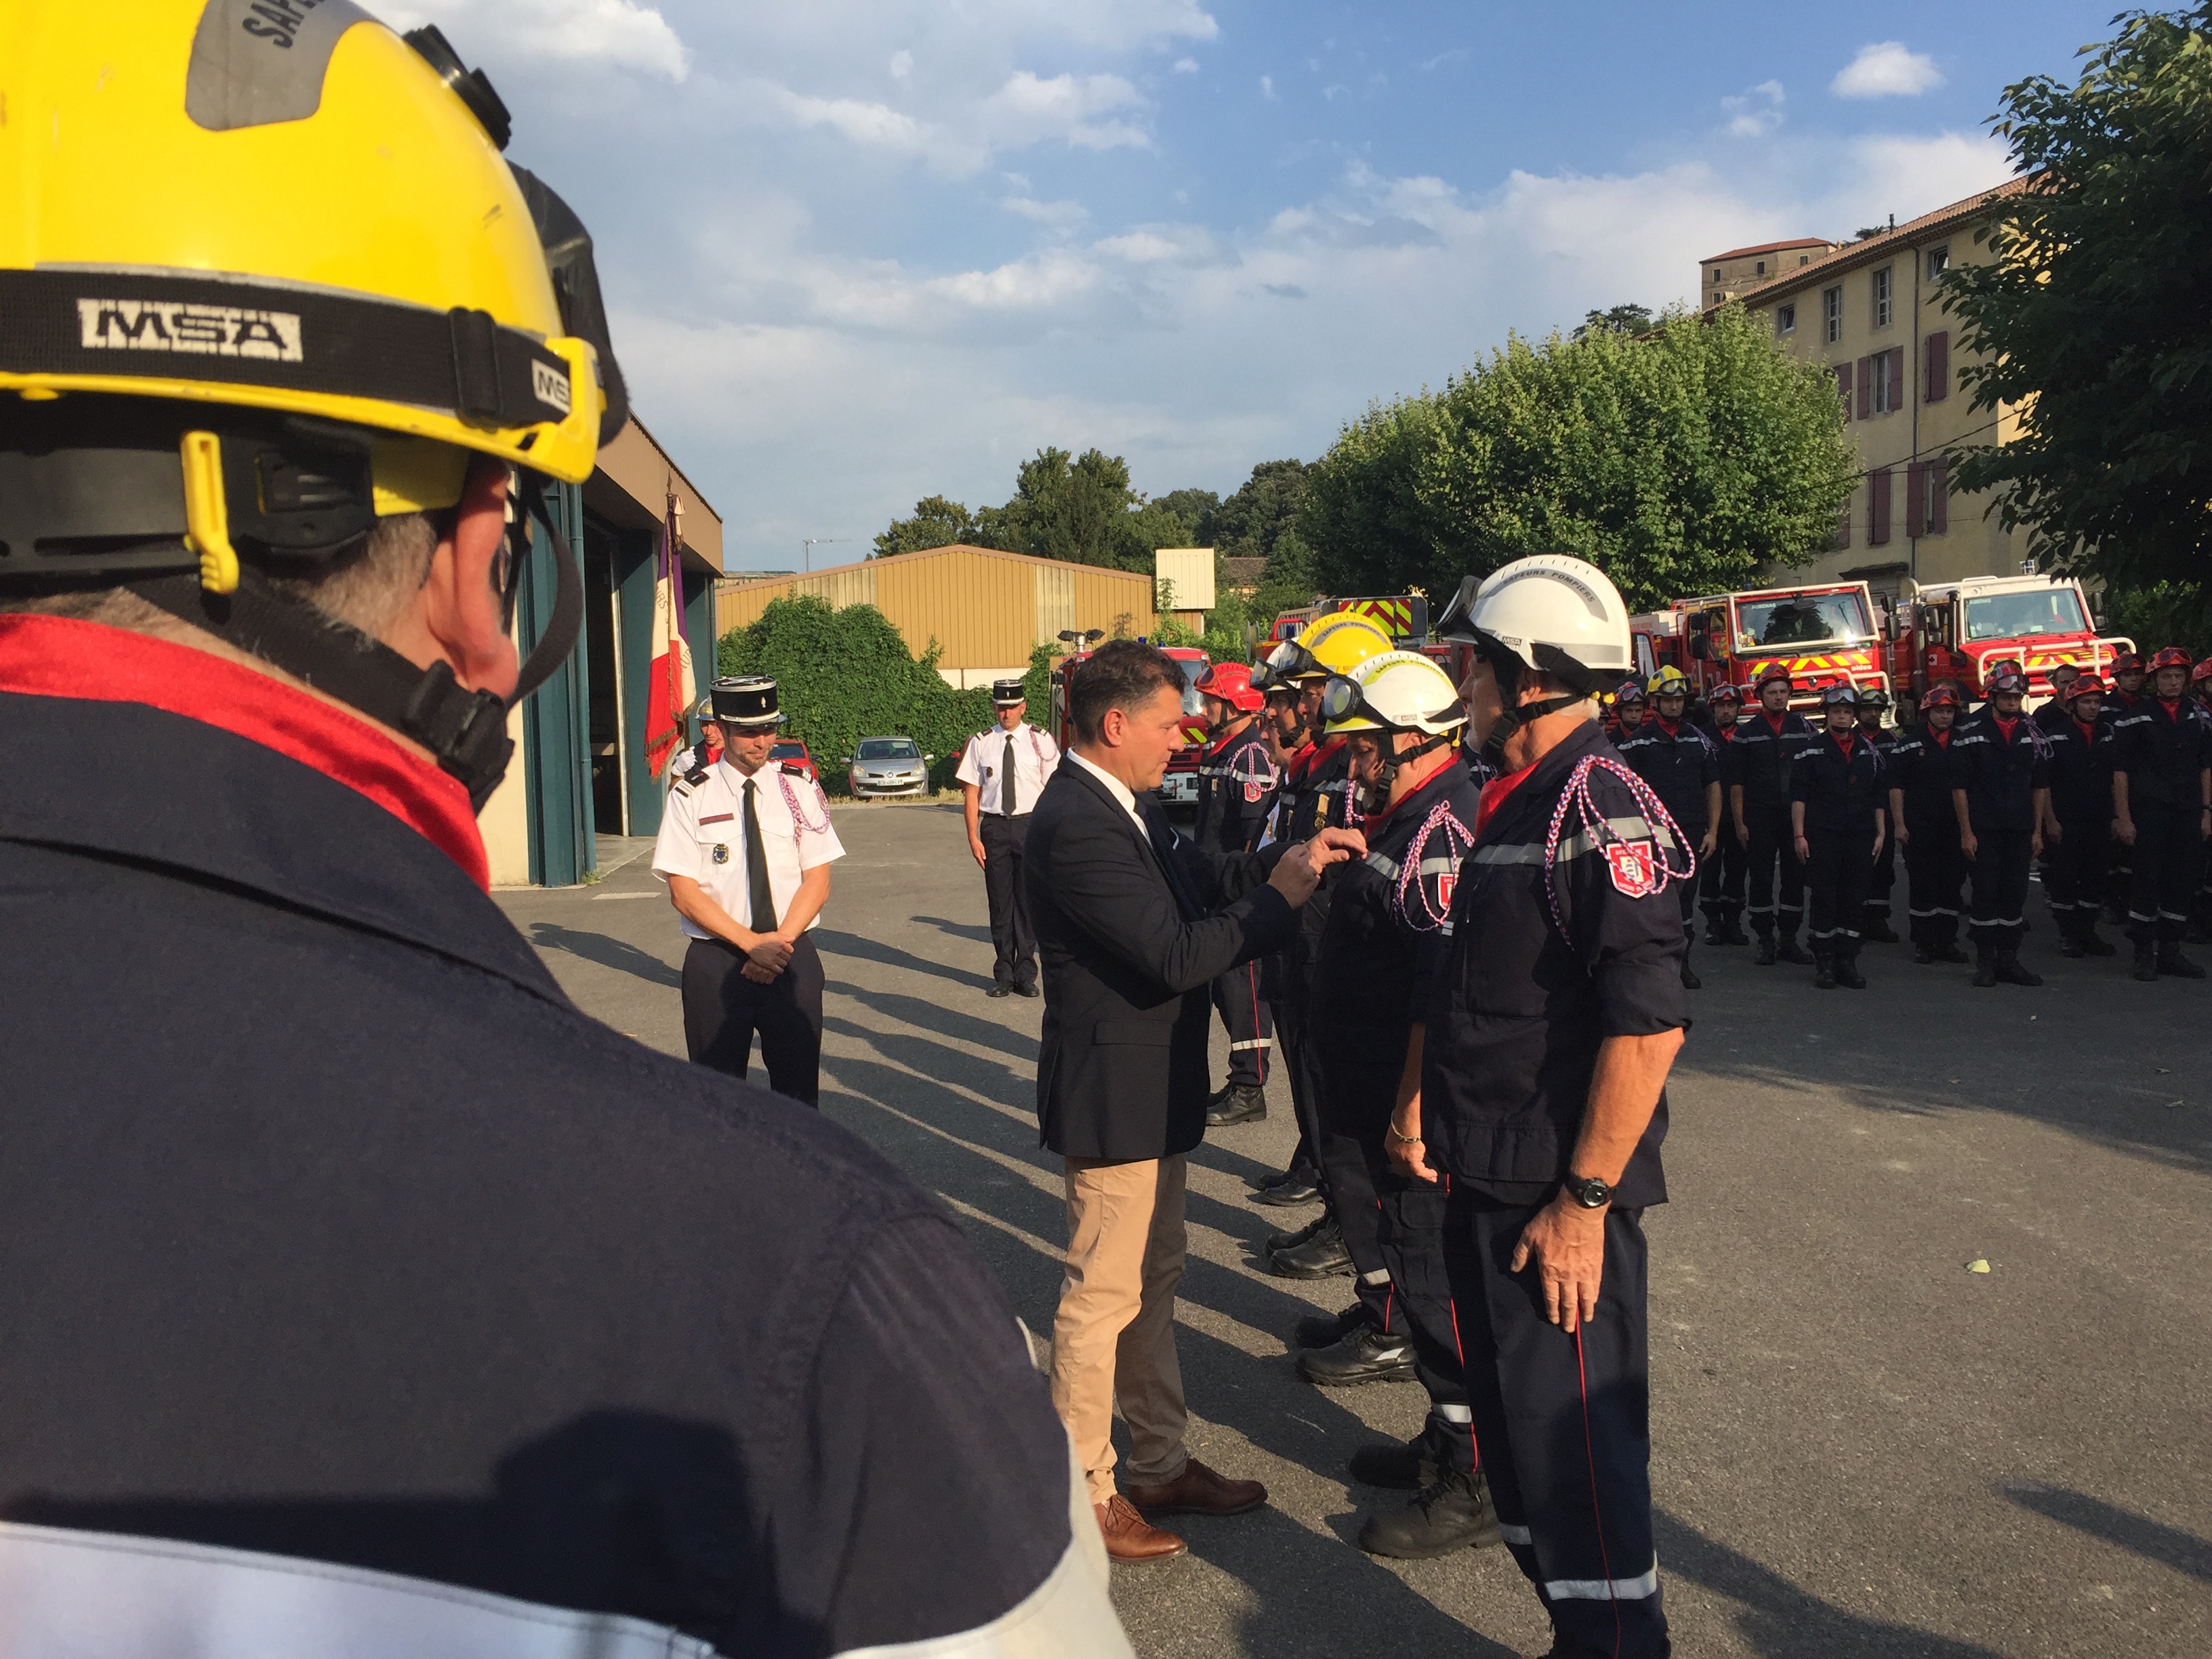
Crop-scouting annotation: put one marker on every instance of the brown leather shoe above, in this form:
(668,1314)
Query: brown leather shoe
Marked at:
(1197,1490)
(1129,1537)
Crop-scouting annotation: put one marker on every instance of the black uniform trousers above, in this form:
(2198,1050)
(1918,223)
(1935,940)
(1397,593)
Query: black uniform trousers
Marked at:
(2074,872)
(1883,877)
(1720,884)
(1936,874)
(1563,1424)
(1350,1120)
(722,1009)
(1411,1214)
(1015,945)
(1283,988)
(1839,870)
(1251,1024)
(1998,915)
(1773,841)
(2163,880)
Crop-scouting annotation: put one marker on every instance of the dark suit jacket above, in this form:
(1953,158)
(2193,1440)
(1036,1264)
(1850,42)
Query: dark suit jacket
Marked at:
(1123,1071)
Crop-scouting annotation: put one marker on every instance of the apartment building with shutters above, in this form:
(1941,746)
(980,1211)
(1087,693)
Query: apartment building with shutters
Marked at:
(1870,310)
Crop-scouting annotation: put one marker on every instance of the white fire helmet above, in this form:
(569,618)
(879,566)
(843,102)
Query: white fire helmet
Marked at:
(1550,611)
(1396,692)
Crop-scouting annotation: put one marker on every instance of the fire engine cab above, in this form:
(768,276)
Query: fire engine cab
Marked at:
(1824,635)
(1958,630)
(1179,788)
(1403,616)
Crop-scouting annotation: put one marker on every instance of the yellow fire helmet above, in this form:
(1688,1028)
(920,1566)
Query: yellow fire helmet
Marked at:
(265,277)
(1669,681)
(1335,644)
(1393,691)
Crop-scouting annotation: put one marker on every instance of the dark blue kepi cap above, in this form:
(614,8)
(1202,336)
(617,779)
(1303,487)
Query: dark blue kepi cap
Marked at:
(1005,694)
(745,700)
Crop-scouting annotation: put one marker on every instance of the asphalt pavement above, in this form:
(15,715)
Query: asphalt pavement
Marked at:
(1861,1447)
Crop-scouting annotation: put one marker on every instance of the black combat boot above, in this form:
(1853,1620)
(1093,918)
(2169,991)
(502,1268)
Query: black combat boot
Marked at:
(1789,949)
(1296,1236)
(2171,961)
(2009,971)
(1947,946)
(1690,980)
(1716,930)
(1293,1189)
(2146,968)
(1847,968)
(1766,957)
(1237,1104)
(1320,1330)
(1452,1513)
(2092,944)
(1364,1355)
(1735,934)
(1322,1256)
(1824,968)
(1985,966)
(2069,935)
(1876,926)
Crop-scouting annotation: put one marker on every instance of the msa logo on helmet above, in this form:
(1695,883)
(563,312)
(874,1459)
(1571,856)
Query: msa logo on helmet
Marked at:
(175,326)
(549,386)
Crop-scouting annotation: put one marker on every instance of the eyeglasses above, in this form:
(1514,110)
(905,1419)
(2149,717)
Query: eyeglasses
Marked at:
(1340,699)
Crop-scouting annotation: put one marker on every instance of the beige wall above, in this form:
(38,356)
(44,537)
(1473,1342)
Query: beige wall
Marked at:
(1191,570)
(1972,544)
(637,463)
(505,820)
(985,609)
(1723,279)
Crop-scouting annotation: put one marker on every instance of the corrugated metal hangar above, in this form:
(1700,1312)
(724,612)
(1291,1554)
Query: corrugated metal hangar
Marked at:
(986,610)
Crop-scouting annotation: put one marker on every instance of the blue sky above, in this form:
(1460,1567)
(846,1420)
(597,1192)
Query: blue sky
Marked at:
(860,253)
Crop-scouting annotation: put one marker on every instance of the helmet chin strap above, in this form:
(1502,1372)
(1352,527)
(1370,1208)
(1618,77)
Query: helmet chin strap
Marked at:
(465,730)
(1506,668)
(1375,798)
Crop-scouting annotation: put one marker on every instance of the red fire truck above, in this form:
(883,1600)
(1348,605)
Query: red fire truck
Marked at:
(1825,634)
(1180,787)
(1403,616)
(1958,630)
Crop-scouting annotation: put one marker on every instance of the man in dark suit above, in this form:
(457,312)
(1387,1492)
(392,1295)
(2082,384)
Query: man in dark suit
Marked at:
(1133,923)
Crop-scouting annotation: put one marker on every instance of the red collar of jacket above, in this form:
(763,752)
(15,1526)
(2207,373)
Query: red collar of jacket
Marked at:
(62,657)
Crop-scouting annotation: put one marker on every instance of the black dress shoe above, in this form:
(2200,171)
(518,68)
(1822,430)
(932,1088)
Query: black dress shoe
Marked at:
(1766,957)
(1285,1193)
(1452,1513)
(1325,1330)
(1001,990)
(1401,1467)
(1247,1104)
(1791,950)
(1690,980)
(1027,991)
(1322,1256)
(1294,1237)
(1364,1355)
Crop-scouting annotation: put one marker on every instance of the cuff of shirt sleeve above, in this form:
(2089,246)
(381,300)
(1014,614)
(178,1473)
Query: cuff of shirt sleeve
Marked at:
(1642,998)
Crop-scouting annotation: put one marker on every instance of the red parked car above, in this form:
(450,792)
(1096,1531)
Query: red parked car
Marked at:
(791,751)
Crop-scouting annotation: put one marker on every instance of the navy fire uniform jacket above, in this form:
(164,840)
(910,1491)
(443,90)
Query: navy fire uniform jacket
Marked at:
(2080,773)
(1549,949)
(2000,771)
(371,1280)
(1238,779)
(1920,767)
(2162,748)
(1316,795)
(1761,757)
(1842,792)
(1678,765)
(1385,935)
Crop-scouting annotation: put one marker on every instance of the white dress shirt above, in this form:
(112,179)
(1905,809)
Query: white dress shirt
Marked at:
(1119,790)
(982,763)
(703,836)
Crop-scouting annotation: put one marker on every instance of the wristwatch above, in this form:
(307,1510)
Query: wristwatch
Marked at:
(1591,1194)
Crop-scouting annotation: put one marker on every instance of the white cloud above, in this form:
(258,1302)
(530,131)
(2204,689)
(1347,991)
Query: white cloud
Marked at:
(878,125)
(1027,109)
(1046,213)
(1886,70)
(902,64)
(1186,66)
(1268,87)
(1755,113)
(616,32)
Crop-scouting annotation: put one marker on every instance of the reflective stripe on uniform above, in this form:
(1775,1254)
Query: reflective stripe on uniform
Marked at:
(1256,1042)
(1523,853)
(1380,1276)
(1604,1589)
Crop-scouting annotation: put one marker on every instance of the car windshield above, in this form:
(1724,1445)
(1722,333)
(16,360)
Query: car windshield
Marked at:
(2020,616)
(1193,704)
(1804,619)
(881,749)
(788,748)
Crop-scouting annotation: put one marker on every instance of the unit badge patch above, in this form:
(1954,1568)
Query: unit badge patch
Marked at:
(1254,791)
(1635,867)
(1446,886)
(722,854)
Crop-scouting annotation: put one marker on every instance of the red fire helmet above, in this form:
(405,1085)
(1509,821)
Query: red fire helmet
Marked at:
(2173,656)
(1944,696)
(1231,682)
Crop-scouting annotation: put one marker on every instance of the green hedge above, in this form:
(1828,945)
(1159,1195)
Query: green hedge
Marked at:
(844,675)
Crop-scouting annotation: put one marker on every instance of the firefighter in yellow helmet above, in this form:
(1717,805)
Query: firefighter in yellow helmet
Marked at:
(362,1205)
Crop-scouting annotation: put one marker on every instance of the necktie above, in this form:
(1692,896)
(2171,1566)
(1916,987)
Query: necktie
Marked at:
(1006,779)
(762,898)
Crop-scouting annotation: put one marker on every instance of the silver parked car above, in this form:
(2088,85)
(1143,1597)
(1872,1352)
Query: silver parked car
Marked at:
(889,766)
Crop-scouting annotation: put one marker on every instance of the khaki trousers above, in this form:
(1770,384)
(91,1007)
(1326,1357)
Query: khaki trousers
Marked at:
(1113,1340)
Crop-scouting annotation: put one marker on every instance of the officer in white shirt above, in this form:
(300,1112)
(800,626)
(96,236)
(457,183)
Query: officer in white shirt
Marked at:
(1001,774)
(707,749)
(745,848)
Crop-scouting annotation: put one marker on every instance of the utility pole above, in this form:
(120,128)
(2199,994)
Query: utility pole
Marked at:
(811,542)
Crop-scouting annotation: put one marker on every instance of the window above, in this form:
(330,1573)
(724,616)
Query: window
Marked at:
(1785,319)
(1881,382)
(1805,619)
(2021,616)
(889,749)
(1716,275)
(1939,261)
(1881,299)
(1832,308)
(1804,258)
(1762,267)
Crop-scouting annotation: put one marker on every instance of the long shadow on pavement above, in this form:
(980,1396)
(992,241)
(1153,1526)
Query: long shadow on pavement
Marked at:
(615,953)
(868,950)
(2138,1534)
(967,930)
(946,1022)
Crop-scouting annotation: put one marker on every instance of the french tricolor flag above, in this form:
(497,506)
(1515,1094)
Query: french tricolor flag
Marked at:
(669,688)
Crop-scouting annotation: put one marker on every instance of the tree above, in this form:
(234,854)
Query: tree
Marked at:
(2093,320)
(936,522)
(1195,507)
(1680,462)
(1081,510)
(1621,319)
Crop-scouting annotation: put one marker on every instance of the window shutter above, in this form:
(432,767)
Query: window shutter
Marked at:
(1939,496)
(1878,508)
(1939,366)
(1896,378)
(1844,388)
(1865,387)
(1914,484)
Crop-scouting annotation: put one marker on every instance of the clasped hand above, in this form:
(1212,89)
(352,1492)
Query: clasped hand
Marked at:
(768,955)
(1297,873)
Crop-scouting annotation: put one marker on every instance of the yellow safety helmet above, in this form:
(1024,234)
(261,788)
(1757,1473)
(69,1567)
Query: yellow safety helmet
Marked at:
(1669,681)
(295,230)
(1335,644)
